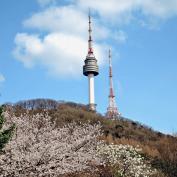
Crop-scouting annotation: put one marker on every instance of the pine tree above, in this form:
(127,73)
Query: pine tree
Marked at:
(5,135)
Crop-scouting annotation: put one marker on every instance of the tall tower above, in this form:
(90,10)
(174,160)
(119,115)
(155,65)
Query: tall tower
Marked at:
(112,110)
(90,69)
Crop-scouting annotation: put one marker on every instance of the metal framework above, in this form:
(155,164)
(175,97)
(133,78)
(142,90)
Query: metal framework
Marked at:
(112,110)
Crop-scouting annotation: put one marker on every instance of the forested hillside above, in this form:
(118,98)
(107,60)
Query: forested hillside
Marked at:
(159,149)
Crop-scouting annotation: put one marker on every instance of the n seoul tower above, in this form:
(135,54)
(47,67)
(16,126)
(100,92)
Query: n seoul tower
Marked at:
(90,69)
(112,110)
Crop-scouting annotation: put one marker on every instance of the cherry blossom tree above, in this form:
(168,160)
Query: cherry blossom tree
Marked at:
(40,148)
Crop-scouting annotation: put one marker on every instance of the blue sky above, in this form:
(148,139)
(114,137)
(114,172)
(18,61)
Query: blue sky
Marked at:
(43,44)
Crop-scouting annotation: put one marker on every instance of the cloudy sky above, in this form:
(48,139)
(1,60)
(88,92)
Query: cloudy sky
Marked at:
(43,44)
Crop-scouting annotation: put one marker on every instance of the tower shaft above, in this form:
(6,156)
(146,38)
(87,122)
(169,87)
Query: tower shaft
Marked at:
(91,92)
(112,110)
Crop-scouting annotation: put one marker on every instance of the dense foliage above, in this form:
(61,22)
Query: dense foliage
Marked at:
(5,134)
(39,148)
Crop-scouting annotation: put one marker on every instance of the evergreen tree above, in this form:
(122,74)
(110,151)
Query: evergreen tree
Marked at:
(5,135)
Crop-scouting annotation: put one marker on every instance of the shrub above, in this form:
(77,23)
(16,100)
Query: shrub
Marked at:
(126,160)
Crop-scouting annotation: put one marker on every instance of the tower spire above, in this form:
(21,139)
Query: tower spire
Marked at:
(90,48)
(112,111)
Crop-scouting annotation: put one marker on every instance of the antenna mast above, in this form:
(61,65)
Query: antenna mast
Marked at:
(112,110)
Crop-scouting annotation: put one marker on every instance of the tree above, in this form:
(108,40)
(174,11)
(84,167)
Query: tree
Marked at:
(5,134)
(126,161)
(39,148)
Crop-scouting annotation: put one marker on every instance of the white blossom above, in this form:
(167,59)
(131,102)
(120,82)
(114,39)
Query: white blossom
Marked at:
(127,160)
(40,148)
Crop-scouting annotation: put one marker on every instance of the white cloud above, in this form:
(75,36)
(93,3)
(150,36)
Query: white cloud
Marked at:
(110,10)
(123,11)
(28,48)
(2,78)
(66,19)
(159,8)
(61,54)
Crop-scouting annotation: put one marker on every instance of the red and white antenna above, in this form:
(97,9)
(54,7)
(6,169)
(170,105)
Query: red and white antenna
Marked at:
(90,48)
(112,110)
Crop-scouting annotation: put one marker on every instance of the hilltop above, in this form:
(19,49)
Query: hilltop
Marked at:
(159,148)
